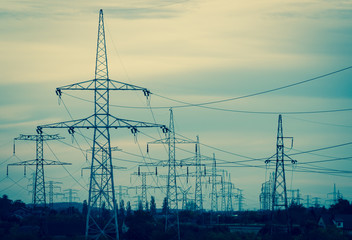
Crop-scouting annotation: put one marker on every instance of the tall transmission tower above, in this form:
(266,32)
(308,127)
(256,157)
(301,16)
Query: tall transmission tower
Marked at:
(198,195)
(239,196)
(39,193)
(266,194)
(279,194)
(223,191)
(171,186)
(72,195)
(214,193)
(101,186)
(336,195)
(52,185)
(229,205)
(184,193)
(144,185)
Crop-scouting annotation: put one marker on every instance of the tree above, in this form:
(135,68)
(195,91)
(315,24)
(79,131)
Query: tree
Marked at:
(140,205)
(147,206)
(165,206)
(85,208)
(152,205)
(128,209)
(122,208)
(343,206)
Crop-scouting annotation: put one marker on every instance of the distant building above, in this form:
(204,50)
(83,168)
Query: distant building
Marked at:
(341,221)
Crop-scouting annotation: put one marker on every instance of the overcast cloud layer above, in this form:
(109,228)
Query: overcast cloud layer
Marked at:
(192,51)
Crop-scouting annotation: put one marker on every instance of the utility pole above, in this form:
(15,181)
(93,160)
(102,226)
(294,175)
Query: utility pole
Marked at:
(39,194)
(279,194)
(101,187)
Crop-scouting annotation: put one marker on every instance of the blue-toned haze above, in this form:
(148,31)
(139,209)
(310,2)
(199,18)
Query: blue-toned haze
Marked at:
(191,51)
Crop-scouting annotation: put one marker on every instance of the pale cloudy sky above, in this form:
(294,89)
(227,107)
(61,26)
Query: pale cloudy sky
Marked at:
(192,51)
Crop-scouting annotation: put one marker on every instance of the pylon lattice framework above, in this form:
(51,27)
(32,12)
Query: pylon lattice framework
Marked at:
(279,194)
(39,193)
(101,187)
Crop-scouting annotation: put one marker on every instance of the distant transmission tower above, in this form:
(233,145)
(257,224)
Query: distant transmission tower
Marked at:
(171,187)
(144,185)
(52,186)
(279,194)
(39,194)
(198,195)
(101,224)
(214,193)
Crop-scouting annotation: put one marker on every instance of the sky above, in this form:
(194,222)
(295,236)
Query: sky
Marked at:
(188,51)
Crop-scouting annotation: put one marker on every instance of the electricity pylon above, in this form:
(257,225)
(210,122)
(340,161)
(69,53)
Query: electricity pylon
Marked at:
(101,223)
(239,196)
(144,185)
(222,191)
(52,186)
(336,195)
(279,194)
(39,194)
(266,194)
(198,195)
(171,187)
(72,195)
(230,186)
(122,191)
(184,193)
(214,194)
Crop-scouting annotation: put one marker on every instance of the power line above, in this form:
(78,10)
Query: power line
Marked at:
(258,93)
(203,105)
(321,149)
(321,123)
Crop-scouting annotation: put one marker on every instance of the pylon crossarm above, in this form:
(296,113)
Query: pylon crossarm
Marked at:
(162,163)
(293,161)
(96,84)
(269,159)
(131,124)
(36,137)
(50,162)
(166,140)
(29,162)
(34,162)
(80,123)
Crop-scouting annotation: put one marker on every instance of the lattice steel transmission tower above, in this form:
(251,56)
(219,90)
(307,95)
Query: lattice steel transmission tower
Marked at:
(39,193)
(101,223)
(214,191)
(198,195)
(72,195)
(53,185)
(279,194)
(223,191)
(265,197)
(144,185)
(171,186)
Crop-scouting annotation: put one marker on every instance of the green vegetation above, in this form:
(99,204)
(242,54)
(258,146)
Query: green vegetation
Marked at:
(18,222)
